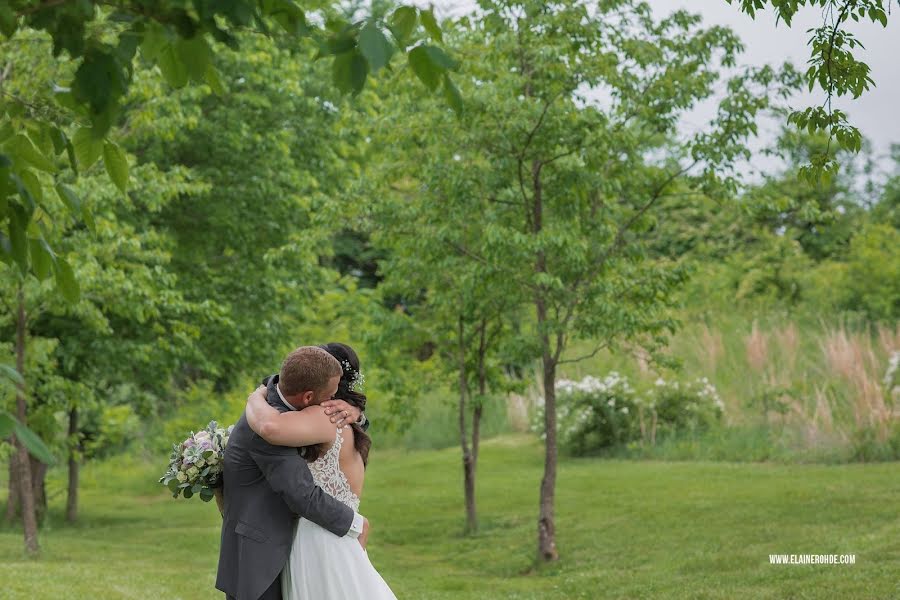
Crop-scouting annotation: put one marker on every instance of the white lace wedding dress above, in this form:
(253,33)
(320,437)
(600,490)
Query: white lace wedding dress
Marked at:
(321,565)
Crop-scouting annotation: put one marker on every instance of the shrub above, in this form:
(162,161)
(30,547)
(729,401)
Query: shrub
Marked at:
(598,414)
(873,272)
(868,445)
(116,427)
(892,377)
(692,407)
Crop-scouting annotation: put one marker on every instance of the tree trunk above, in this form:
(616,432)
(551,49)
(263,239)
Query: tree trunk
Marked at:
(74,451)
(471,469)
(477,410)
(546,526)
(12,498)
(39,485)
(469,476)
(26,492)
(467,459)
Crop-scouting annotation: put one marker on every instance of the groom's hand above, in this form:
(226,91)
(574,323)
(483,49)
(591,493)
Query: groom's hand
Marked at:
(364,536)
(341,412)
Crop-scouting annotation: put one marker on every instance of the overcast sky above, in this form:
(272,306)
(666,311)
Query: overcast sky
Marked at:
(875,113)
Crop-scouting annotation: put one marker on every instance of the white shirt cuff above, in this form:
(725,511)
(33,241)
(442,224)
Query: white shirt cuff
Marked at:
(357,528)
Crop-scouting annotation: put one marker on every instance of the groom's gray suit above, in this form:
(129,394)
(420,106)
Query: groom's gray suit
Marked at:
(266,488)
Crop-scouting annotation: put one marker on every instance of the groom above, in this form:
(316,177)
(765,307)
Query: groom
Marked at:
(267,487)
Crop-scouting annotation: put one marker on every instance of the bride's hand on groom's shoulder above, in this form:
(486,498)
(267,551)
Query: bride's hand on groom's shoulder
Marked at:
(342,413)
(258,394)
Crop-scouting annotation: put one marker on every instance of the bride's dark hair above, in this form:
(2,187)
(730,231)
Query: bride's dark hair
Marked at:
(348,392)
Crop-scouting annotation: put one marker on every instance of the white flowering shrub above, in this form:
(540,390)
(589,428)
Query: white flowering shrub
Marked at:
(892,376)
(594,414)
(684,406)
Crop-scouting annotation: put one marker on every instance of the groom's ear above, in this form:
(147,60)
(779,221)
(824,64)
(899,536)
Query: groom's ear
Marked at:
(307,398)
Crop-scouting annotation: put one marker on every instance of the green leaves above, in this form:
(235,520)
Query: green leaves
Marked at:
(834,68)
(358,55)
(287,14)
(441,59)
(424,68)
(431,25)
(349,71)
(69,198)
(10,426)
(430,65)
(8,21)
(32,185)
(65,280)
(7,423)
(18,223)
(41,258)
(99,82)
(9,372)
(88,147)
(374,46)
(195,55)
(33,444)
(174,71)
(402,23)
(24,149)
(116,165)
(452,95)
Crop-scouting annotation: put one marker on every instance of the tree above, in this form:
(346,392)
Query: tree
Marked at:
(107,42)
(270,203)
(462,310)
(124,306)
(574,181)
(833,67)
(129,326)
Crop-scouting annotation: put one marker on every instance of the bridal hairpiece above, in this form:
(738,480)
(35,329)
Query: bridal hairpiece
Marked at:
(357,379)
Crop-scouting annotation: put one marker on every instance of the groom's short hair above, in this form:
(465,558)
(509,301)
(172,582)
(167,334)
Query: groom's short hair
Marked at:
(307,369)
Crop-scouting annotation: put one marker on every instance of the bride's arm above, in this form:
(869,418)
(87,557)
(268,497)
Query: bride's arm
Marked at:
(294,428)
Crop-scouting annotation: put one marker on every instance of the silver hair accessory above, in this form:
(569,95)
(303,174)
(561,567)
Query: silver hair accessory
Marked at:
(357,379)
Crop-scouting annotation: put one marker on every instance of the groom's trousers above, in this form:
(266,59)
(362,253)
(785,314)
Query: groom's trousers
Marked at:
(273,593)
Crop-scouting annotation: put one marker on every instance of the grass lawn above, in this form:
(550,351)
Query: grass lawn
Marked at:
(625,530)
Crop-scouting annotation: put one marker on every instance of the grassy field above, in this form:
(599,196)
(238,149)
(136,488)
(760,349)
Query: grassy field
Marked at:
(626,530)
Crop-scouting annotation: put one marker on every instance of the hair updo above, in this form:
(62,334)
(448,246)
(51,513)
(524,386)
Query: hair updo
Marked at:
(348,391)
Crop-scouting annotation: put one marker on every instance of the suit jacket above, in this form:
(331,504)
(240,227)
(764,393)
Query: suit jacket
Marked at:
(266,488)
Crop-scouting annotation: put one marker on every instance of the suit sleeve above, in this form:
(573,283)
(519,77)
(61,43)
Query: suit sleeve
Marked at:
(289,477)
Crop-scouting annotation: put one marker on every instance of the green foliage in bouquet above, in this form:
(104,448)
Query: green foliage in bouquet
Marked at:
(195,466)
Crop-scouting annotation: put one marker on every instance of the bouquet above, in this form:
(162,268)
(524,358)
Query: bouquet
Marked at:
(195,466)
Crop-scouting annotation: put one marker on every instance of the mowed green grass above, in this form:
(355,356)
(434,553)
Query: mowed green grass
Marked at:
(625,530)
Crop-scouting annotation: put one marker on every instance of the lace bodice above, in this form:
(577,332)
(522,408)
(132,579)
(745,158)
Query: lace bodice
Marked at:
(326,471)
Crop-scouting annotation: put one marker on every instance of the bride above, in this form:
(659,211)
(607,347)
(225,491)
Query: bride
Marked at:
(321,565)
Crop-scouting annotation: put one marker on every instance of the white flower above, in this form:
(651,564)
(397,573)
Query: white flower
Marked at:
(893,366)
